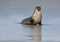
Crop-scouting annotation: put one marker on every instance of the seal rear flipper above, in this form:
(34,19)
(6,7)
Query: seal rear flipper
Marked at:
(26,23)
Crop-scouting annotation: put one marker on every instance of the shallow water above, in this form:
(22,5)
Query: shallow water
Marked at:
(12,13)
(12,31)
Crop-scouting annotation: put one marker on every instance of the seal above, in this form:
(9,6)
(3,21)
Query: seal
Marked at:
(36,18)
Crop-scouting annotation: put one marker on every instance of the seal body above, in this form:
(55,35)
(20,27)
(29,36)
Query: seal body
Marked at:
(36,18)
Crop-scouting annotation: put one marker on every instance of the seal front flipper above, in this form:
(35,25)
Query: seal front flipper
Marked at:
(32,21)
(40,23)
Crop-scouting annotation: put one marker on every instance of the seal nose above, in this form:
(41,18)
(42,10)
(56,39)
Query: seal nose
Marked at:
(38,9)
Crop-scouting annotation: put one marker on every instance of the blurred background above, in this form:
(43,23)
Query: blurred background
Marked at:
(50,8)
(13,12)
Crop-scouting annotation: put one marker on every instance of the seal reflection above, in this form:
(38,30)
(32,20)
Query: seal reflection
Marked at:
(36,37)
(37,33)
